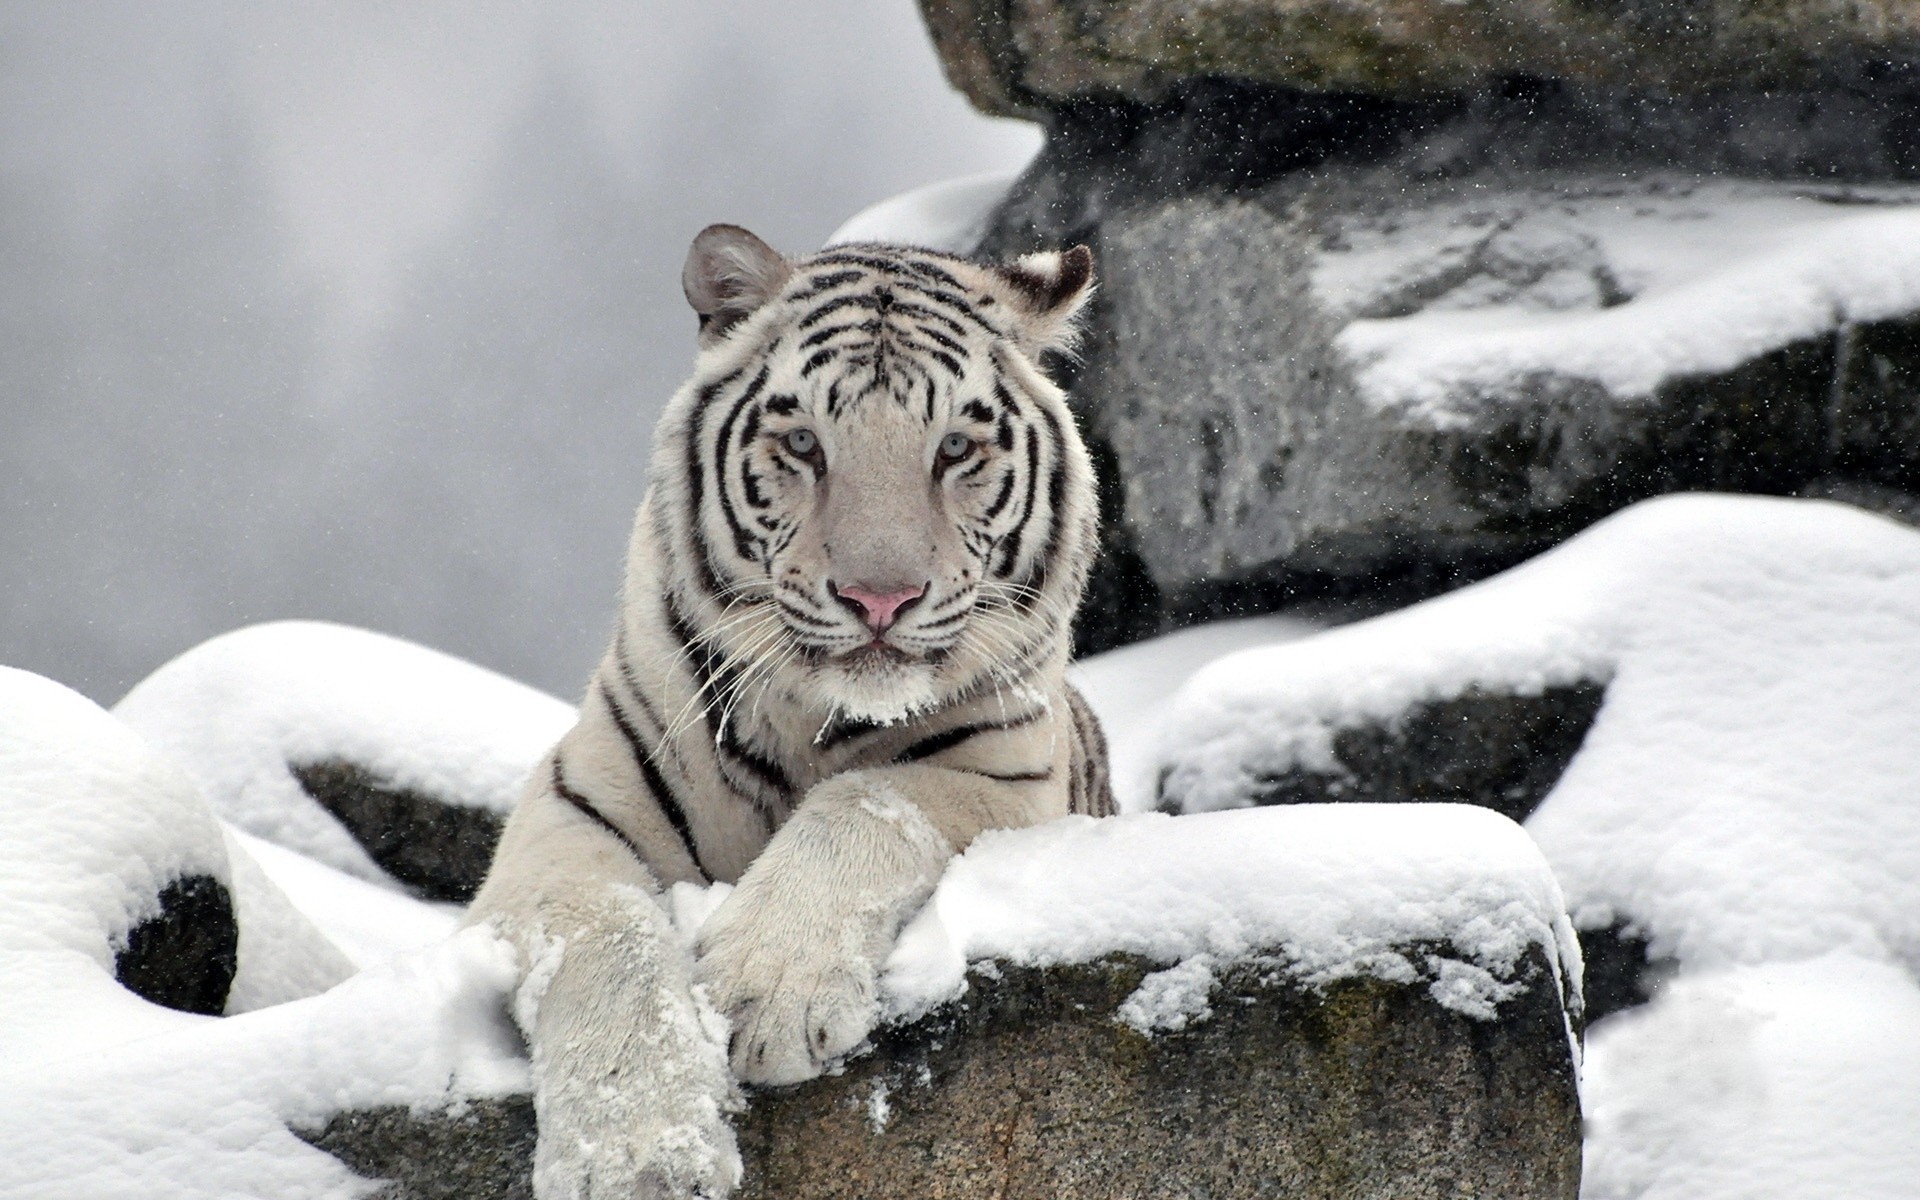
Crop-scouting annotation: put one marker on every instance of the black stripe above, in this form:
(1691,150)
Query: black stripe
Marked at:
(587,809)
(845,729)
(663,796)
(946,740)
(1021,777)
(712,671)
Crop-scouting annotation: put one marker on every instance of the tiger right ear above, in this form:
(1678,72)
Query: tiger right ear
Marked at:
(729,274)
(1049,290)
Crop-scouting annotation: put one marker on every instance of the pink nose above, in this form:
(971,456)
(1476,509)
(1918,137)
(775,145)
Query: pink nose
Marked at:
(879,609)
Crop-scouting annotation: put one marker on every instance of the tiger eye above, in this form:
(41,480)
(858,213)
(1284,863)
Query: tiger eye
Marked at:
(956,446)
(802,442)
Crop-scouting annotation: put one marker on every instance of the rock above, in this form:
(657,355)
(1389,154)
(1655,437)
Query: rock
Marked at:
(1317,1001)
(439,850)
(1498,749)
(479,1148)
(1031,56)
(1032,1087)
(1354,346)
(184,956)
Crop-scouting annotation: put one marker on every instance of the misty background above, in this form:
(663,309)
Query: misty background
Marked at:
(364,312)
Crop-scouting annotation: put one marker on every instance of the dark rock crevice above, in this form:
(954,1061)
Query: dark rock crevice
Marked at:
(1494,749)
(440,851)
(184,956)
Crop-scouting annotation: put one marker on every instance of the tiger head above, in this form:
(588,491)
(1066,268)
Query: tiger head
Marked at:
(873,501)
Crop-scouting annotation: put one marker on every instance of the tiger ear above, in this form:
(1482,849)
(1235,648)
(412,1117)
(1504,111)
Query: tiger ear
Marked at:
(1049,290)
(729,274)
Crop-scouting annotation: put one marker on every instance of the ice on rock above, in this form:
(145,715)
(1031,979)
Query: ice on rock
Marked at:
(239,710)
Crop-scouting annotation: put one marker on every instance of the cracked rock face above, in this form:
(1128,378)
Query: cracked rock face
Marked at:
(1019,57)
(1032,1087)
(1402,367)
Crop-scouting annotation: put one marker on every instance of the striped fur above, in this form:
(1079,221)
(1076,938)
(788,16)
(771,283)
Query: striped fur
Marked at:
(746,727)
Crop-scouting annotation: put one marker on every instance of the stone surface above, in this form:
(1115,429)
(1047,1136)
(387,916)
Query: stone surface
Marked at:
(439,850)
(1021,57)
(1258,248)
(1499,750)
(1029,1088)
(482,1150)
(184,956)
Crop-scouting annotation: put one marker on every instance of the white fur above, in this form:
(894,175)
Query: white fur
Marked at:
(631,1067)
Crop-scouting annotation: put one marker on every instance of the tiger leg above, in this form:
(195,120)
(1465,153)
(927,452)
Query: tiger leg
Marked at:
(630,1089)
(792,957)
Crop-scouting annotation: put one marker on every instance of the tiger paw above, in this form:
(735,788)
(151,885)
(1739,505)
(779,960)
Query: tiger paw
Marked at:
(596,1151)
(796,1002)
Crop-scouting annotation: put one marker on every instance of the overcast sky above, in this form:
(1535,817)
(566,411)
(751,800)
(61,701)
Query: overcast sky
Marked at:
(364,311)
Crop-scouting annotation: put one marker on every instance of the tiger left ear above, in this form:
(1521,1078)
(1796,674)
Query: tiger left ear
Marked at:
(1049,290)
(729,274)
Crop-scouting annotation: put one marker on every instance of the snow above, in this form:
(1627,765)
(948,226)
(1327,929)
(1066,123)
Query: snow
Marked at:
(950,216)
(110,1096)
(235,711)
(1128,690)
(199,1108)
(1330,891)
(1785,1080)
(1745,798)
(1620,285)
(1747,791)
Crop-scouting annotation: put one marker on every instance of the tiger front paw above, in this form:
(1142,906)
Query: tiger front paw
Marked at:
(798,998)
(612,1146)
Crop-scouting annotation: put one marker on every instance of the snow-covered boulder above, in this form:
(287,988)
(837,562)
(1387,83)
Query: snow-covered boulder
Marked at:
(380,758)
(121,895)
(1745,790)
(1346,1001)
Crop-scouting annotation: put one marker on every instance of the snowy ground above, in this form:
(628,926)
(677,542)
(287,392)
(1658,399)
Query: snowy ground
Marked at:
(1747,795)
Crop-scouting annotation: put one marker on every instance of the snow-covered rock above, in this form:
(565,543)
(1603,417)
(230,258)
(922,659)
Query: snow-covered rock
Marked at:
(121,892)
(378,757)
(1771,1082)
(1474,370)
(950,215)
(1333,1001)
(1745,791)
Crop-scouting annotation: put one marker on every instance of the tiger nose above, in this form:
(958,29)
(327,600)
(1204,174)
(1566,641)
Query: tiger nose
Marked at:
(878,607)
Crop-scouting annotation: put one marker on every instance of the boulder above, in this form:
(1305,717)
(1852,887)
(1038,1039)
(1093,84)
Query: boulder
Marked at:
(1688,704)
(1040,1085)
(1021,57)
(1365,346)
(1321,1001)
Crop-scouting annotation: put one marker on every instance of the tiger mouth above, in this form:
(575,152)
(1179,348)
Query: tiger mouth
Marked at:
(877,652)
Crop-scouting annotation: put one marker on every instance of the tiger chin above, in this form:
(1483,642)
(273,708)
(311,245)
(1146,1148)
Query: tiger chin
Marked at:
(839,656)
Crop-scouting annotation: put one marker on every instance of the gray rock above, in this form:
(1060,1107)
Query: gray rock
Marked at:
(1499,750)
(1027,56)
(1243,235)
(1029,1088)
(439,850)
(185,955)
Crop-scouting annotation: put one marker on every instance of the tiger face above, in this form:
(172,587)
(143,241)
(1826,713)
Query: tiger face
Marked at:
(883,502)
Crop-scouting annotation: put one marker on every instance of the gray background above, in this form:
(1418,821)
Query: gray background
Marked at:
(364,311)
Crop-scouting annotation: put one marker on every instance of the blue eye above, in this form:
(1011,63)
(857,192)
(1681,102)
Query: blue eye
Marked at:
(802,442)
(956,446)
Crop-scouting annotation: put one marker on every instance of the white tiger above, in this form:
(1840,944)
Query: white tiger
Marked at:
(840,656)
